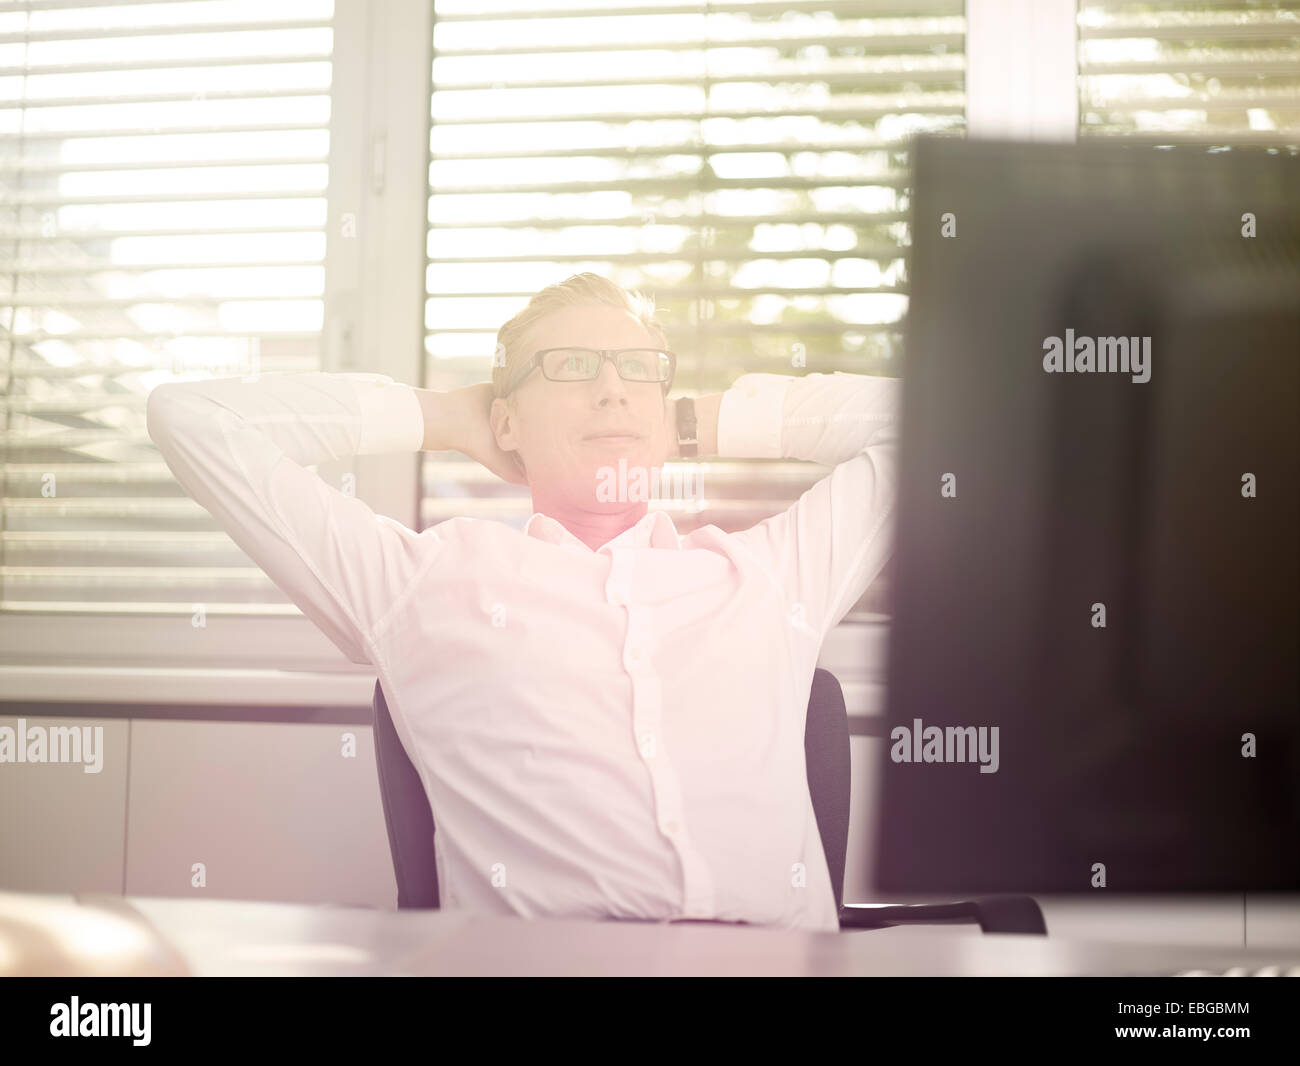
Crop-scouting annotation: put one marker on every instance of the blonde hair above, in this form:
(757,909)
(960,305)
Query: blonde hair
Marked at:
(584,288)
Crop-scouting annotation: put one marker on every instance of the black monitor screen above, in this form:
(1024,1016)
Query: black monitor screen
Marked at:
(1093,657)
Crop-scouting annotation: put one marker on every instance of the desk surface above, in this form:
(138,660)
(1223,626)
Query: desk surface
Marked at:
(222,938)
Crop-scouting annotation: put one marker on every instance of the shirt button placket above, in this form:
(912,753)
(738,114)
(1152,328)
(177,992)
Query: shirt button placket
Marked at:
(647,722)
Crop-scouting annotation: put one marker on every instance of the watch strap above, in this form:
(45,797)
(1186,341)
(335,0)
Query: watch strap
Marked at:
(687,441)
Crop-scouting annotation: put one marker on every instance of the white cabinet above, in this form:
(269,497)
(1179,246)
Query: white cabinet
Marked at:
(272,811)
(62,828)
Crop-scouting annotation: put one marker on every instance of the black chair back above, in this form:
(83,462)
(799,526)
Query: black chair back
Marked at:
(411,828)
(406,813)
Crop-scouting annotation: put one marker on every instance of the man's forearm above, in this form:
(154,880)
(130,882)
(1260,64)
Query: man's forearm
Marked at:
(459,420)
(437,416)
(454,418)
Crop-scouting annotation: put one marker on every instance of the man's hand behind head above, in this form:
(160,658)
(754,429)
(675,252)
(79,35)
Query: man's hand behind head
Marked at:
(459,420)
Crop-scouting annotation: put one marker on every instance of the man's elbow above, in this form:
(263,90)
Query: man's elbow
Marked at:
(160,410)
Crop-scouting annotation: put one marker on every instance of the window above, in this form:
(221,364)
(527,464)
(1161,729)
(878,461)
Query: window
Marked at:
(743,162)
(1225,71)
(164,172)
(172,175)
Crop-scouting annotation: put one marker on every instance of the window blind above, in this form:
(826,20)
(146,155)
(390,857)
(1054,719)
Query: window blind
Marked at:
(1224,70)
(162,217)
(744,163)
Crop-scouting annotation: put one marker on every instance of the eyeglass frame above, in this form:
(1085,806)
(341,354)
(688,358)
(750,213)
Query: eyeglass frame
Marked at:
(535,363)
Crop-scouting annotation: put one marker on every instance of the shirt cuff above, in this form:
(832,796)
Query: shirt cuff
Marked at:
(391,417)
(749,417)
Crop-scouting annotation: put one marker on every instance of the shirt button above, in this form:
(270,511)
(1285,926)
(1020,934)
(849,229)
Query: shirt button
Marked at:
(672,828)
(634,654)
(618,596)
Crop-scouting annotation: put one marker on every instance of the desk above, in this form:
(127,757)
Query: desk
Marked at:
(223,938)
(1224,919)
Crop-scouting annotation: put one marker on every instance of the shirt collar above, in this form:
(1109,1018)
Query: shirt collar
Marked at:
(655,530)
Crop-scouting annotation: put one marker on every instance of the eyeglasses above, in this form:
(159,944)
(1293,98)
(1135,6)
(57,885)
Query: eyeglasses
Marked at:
(583,364)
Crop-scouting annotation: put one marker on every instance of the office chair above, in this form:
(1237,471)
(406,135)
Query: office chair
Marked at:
(826,749)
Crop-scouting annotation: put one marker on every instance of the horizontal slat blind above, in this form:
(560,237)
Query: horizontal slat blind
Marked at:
(743,162)
(163,175)
(1228,71)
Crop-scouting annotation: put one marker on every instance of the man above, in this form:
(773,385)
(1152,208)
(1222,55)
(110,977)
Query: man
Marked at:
(607,716)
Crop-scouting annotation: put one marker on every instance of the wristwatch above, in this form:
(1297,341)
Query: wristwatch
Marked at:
(687,442)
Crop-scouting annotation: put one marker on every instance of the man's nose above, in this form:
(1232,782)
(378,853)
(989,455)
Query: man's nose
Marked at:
(609,384)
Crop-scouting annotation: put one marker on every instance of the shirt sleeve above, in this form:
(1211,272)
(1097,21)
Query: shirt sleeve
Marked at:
(240,448)
(826,548)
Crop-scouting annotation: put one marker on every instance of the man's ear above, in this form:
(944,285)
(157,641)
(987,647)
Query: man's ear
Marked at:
(498,414)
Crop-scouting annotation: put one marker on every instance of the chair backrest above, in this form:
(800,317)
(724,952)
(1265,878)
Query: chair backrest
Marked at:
(406,813)
(411,828)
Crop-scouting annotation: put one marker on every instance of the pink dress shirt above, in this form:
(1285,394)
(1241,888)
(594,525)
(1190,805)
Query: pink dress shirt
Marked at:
(601,734)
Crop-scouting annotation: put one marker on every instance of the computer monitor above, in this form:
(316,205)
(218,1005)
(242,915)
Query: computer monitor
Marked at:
(1093,653)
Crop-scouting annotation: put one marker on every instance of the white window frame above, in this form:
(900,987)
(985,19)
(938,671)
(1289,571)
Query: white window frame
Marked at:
(1022,70)
(1021,82)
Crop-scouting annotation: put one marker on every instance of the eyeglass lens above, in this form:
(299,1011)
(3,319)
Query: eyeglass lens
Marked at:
(582,364)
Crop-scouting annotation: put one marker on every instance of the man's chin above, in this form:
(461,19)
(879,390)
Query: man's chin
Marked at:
(612,485)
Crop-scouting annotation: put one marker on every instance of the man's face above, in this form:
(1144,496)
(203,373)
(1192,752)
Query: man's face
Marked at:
(554,424)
